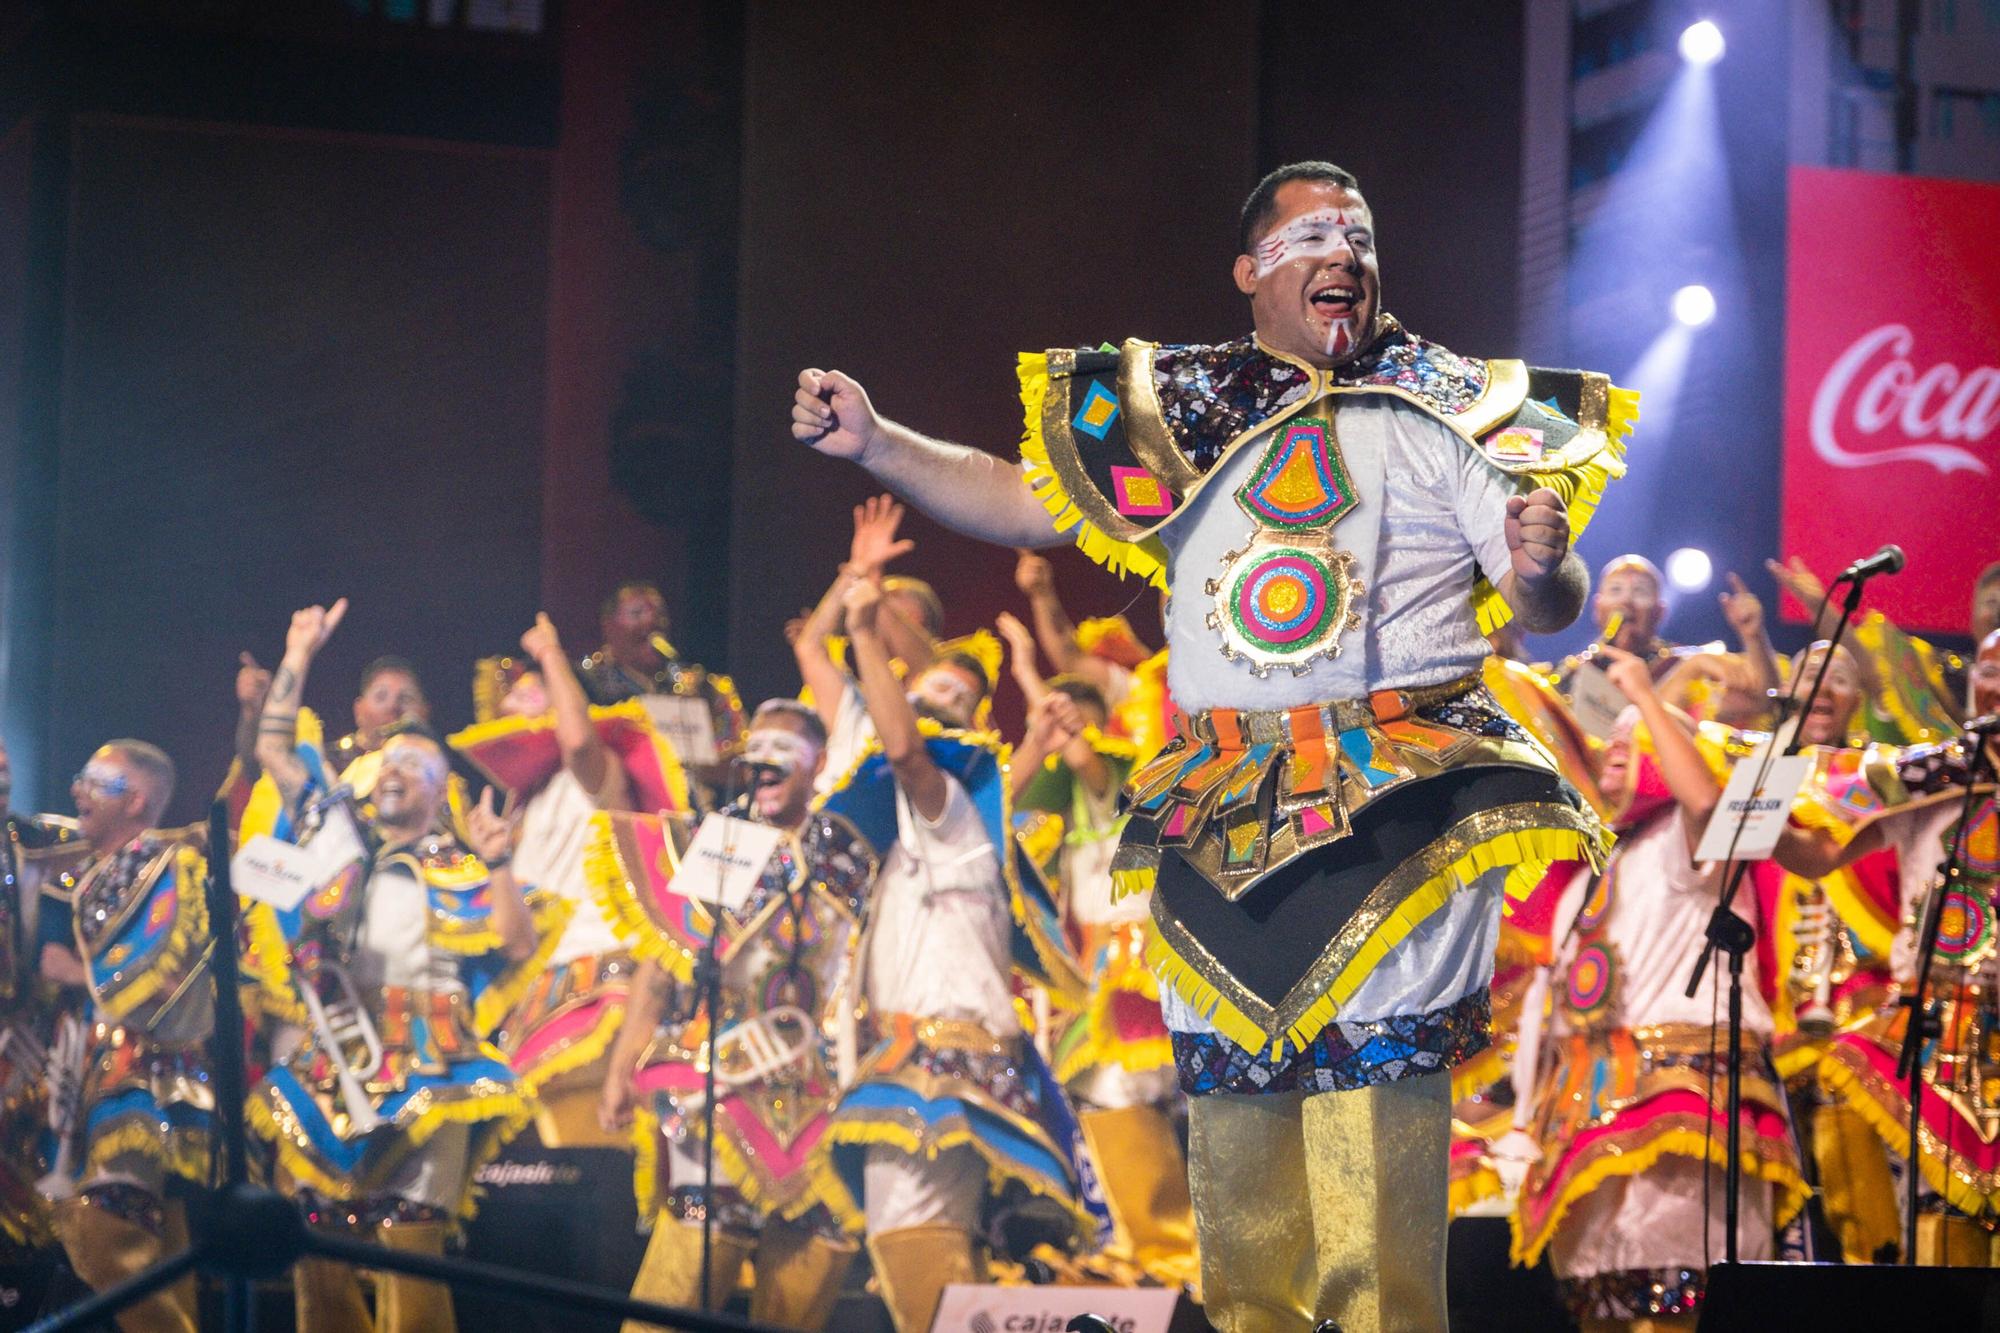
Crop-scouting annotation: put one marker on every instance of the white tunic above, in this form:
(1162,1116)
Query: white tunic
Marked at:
(940,929)
(555,833)
(1658,923)
(394,944)
(1432,516)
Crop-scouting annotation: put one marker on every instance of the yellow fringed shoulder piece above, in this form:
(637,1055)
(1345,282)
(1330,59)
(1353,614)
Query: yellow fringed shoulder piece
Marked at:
(1146,559)
(1581,484)
(617,897)
(551,916)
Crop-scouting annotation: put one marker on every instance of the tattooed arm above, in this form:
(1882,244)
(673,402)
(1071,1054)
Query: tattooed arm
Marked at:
(277,728)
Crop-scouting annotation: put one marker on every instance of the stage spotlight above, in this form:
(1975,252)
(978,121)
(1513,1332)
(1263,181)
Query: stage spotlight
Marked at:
(1702,44)
(1694,305)
(1689,569)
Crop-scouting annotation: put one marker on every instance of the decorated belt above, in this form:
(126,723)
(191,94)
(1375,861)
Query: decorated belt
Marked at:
(1243,792)
(1239,729)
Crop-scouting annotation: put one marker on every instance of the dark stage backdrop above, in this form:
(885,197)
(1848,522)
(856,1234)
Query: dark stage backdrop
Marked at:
(17,148)
(921,203)
(297,365)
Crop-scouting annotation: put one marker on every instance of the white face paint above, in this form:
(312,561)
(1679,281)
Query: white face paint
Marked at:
(946,692)
(1342,235)
(781,748)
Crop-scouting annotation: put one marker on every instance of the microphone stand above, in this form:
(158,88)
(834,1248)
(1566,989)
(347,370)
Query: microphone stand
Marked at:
(1909,1064)
(708,989)
(1732,935)
(245,1233)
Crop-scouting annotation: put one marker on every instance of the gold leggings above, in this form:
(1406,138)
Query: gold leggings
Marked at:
(1324,1206)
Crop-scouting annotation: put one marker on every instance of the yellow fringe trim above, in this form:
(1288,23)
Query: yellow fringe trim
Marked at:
(1102,1045)
(999,1171)
(1529,846)
(1481,1072)
(1792,1190)
(270,963)
(1146,559)
(576,1055)
(1125,883)
(1466,1191)
(618,900)
(1581,485)
(183,1152)
(506,1114)
(1894,1131)
(185,939)
(551,917)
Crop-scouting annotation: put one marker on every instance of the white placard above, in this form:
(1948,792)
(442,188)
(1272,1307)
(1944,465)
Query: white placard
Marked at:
(273,871)
(970,1309)
(282,874)
(1770,806)
(687,724)
(725,860)
(1595,701)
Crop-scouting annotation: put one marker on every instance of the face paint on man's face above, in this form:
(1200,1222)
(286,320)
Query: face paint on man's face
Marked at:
(781,748)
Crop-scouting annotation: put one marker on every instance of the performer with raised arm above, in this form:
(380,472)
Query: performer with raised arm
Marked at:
(1339,509)
(561,761)
(782,953)
(145,1107)
(396,969)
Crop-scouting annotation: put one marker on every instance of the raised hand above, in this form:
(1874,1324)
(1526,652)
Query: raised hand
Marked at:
(541,639)
(1743,611)
(312,627)
(875,543)
(490,832)
(253,682)
(1793,576)
(863,603)
(832,413)
(1053,722)
(1020,642)
(1033,574)
(1537,533)
(1628,672)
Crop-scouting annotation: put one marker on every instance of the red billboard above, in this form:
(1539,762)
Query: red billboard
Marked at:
(1892,384)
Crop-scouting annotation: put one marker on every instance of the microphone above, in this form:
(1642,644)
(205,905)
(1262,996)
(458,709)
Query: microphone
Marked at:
(760,768)
(1888,560)
(1986,724)
(666,650)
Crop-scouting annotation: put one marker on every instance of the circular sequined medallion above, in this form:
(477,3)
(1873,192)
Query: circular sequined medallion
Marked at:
(1590,978)
(1965,928)
(1595,907)
(1981,857)
(1283,603)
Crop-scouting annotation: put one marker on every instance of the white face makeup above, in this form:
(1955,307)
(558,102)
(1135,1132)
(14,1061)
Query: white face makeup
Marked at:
(527,698)
(1326,233)
(781,748)
(946,692)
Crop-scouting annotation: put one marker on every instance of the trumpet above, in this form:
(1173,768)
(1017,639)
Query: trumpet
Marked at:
(776,1041)
(345,1023)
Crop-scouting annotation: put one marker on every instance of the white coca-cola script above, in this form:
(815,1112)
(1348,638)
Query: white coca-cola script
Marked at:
(1872,387)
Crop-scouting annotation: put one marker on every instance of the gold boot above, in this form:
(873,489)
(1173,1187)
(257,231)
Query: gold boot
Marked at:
(1856,1185)
(1145,1180)
(326,1298)
(915,1264)
(412,1304)
(671,1271)
(799,1273)
(105,1249)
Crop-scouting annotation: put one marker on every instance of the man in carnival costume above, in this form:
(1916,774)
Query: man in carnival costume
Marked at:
(1339,509)
(41,999)
(1913,801)
(146,1107)
(395,970)
(562,761)
(637,660)
(951,1121)
(1618,1120)
(781,955)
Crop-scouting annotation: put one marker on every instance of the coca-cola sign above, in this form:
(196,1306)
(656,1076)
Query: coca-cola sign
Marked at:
(1892,383)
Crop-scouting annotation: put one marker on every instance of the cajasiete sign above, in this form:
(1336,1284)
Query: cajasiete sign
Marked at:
(1892,383)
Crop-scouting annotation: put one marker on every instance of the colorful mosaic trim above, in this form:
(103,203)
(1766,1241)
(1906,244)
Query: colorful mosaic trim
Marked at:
(1634,1293)
(1343,1057)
